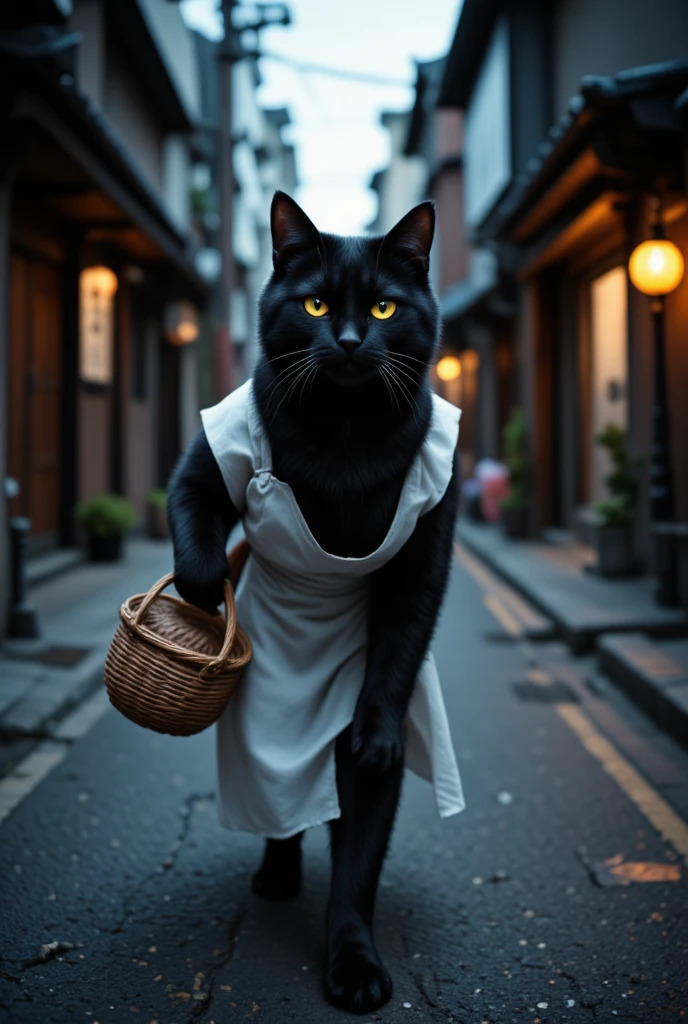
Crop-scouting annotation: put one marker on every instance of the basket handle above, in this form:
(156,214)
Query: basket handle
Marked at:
(214,664)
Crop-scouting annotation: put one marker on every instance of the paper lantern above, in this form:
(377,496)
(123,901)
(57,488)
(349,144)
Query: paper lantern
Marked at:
(656,267)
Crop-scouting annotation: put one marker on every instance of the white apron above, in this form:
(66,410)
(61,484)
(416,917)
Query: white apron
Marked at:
(306,613)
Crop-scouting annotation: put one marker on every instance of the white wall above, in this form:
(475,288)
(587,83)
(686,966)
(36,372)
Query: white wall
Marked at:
(175,179)
(176,46)
(403,184)
(487,128)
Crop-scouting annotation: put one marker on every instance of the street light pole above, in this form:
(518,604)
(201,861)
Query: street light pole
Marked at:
(231,50)
(661,482)
(656,269)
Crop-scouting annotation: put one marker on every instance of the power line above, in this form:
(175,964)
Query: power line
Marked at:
(323,69)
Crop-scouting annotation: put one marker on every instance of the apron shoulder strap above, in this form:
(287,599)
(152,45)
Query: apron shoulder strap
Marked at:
(262,455)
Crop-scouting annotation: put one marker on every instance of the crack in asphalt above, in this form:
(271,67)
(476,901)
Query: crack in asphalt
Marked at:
(203,1006)
(186,812)
(418,981)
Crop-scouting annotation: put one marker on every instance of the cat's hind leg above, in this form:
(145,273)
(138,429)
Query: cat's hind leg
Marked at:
(355,978)
(279,876)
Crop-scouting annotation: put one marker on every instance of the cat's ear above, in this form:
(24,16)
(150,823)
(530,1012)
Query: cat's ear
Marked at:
(292,230)
(411,238)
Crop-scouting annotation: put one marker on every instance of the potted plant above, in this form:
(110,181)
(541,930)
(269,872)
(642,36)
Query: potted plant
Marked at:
(157,515)
(514,508)
(105,518)
(614,533)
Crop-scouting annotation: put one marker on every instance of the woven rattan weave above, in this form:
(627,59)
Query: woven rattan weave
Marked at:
(172,667)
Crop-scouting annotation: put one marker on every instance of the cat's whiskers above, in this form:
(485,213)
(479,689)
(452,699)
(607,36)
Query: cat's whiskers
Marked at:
(286,355)
(309,376)
(389,389)
(406,370)
(394,385)
(294,384)
(413,405)
(286,374)
(405,355)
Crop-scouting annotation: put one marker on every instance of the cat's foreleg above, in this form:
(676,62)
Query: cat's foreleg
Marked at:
(201,515)
(355,977)
(405,599)
(279,876)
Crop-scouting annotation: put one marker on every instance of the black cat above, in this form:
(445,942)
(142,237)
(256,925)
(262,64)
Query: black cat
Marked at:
(344,398)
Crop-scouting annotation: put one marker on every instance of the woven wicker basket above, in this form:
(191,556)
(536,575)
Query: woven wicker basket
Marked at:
(172,667)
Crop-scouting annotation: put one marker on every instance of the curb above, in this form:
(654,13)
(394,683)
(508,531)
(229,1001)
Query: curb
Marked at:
(51,697)
(650,676)
(579,641)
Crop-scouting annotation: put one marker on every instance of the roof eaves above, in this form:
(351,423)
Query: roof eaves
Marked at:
(597,93)
(466,52)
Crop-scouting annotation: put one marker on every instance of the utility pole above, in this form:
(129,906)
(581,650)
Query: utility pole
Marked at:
(231,50)
(224,354)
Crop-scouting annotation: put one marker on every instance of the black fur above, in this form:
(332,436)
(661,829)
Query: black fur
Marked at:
(344,434)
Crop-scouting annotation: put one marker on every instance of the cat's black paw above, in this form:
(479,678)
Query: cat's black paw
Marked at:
(279,876)
(377,743)
(356,979)
(272,884)
(205,590)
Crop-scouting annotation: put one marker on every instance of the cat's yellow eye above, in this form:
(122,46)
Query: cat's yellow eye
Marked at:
(315,306)
(384,309)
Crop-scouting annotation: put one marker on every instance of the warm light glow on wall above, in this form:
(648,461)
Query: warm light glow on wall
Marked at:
(448,368)
(656,267)
(181,323)
(187,331)
(97,287)
(471,360)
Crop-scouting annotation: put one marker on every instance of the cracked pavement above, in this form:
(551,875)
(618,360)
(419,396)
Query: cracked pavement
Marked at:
(492,916)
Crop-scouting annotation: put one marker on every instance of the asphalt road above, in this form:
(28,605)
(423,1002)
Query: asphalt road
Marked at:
(496,915)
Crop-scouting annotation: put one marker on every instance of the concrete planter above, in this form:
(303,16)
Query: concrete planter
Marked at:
(514,522)
(104,549)
(614,545)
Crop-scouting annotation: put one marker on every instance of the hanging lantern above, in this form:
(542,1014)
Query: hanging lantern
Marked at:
(97,288)
(656,267)
(448,368)
(471,360)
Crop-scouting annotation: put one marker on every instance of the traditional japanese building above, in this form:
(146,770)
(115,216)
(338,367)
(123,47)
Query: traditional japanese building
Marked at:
(575,140)
(98,285)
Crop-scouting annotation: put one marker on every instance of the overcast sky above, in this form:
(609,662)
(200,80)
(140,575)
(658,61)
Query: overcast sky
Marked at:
(337,132)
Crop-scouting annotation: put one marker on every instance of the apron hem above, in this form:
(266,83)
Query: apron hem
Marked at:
(333,816)
(451,811)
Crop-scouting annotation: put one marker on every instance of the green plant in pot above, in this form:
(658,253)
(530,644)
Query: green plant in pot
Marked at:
(106,519)
(157,515)
(614,534)
(514,508)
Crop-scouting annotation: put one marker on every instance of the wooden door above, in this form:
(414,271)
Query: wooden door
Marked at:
(35,390)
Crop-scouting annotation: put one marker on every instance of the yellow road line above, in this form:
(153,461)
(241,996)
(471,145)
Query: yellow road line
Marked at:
(502,614)
(518,606)
(477,570)
(497,597)
(657,811)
